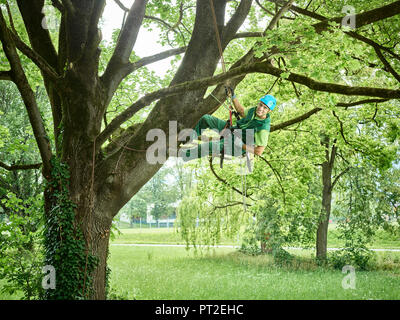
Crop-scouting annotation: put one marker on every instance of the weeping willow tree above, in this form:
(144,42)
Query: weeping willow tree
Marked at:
(252,208)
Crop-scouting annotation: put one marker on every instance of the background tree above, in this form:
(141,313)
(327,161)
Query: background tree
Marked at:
(17,147)
(21,201)
(136,208)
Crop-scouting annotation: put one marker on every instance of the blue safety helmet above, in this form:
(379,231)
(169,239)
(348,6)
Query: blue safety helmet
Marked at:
(269,101)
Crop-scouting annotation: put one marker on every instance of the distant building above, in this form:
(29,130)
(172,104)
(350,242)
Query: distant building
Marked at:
(166,221)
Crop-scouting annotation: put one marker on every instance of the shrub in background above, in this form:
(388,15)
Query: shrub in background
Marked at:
(21,258)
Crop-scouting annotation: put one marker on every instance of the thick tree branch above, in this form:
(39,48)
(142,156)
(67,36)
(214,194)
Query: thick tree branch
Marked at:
(154,58)
(261,67)
(20,166)
(80,34)
(112,83)
(94,34)
(366,17)
(295,120)
(279,14)
(5,75)
(235,22)
(39,37)
(264,67)
(361,19)
(121,5)
(248,35)
(40,62)
(57,4)
(69,6)
(119,66)
(333,153)
(42,47)
(308,114)
(129,133)
(28,96)
(129,33)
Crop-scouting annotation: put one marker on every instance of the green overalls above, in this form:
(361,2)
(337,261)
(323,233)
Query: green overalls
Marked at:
(249,125)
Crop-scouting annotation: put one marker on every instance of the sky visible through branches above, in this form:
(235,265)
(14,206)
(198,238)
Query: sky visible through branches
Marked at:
(146,44)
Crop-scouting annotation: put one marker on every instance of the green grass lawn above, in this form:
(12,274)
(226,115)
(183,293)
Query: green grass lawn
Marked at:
(223,273)
(147,235)
(160,273)
(156,236)
(174,273)
(383,240)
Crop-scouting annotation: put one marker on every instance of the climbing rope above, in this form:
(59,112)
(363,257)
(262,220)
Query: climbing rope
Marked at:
(225,104)
(221,54)
(228,106)
(244,188)
(217,36)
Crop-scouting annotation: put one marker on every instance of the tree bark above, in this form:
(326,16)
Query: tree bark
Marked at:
(327,167)
(98,228)
(322,232)
(78,151)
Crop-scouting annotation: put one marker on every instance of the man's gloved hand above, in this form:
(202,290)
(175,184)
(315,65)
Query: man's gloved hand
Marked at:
(230,92)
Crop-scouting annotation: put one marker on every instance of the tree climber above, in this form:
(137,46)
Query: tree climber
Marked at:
(254,125)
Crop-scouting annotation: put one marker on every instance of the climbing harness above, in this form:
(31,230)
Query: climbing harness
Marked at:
(228,125)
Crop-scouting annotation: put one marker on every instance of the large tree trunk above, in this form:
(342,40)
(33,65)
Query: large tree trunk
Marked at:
(100,235)
(99,195)
(79,154)
(94,226)
(322,232)
(327,167)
